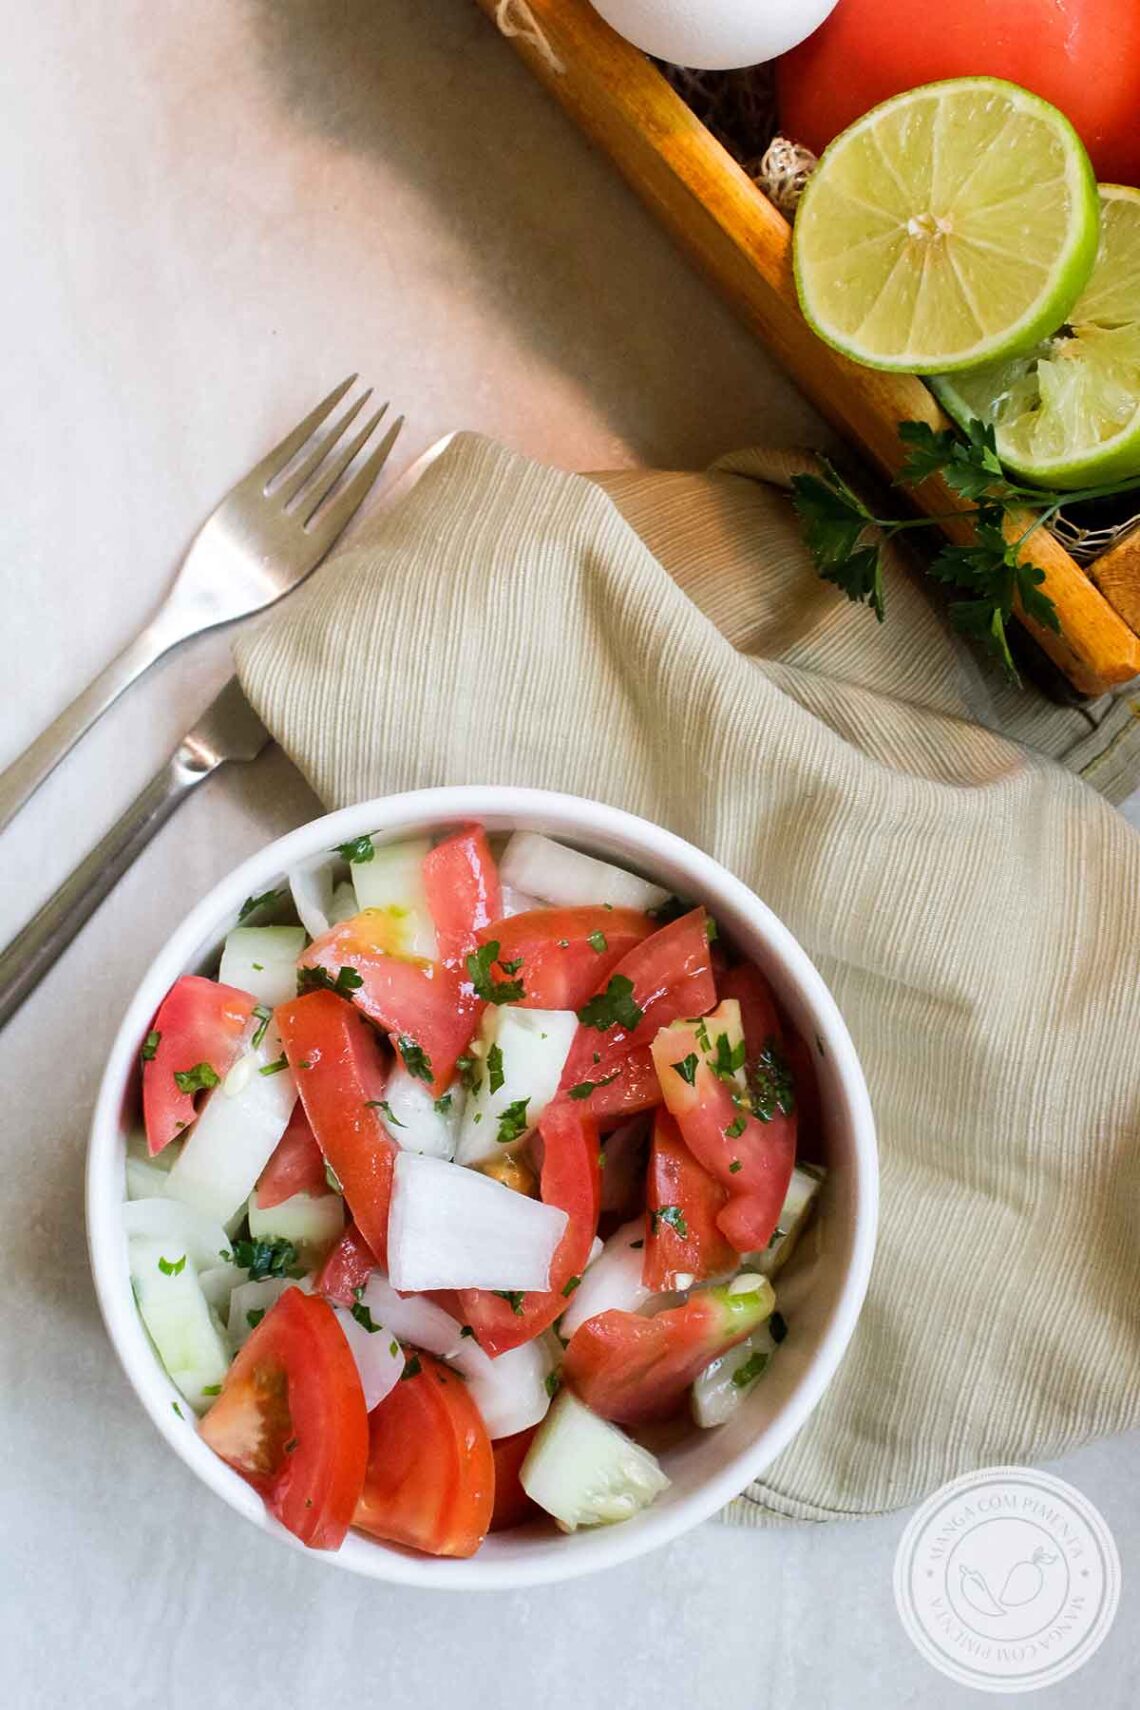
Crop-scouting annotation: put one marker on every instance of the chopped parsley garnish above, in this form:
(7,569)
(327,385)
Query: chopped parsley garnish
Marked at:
(687,1068)
(357,850)
(671,909)
(479,966)
(264,1017)
(150,1045)
(734,1166)
(382,1105)
(553,1383)
(393,1347)
(416,1060)
(737,1126)
(466,1330)
(513,966)
(332,1179)
(198,1079)
(777,1327)
(512,1122)
(673,1216)
(412,1367)
(254,1316)
(260,966)
(712,930)
(252,904)
(495,1076)
(262,1259)
(513,1298)
(364,1318)
(597,941)
(777,1235)
(612,1008)
(571,1284)
(754,1366)
(729,1058)
(177,1410)
(636,1245)
(470,1072)
(773,1088)
(702,1033)
(275,1067)
(212,1389)
(172,1267)
(442,1105)
(319,979)
(583,1089)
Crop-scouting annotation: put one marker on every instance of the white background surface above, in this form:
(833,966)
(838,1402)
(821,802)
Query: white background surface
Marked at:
(210,213)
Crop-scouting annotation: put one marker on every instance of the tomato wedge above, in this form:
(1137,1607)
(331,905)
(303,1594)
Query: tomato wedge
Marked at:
(199,1027)
(428,1010)
(290,1419)
(296,1166)
(623,1091)
(683,1201)
(750,1155)
(667,975)
(463,892)
(347,1268)
(635,1370)
(565,952)
(430,1483)
(336,1060)
(512,1504)
(570,1179)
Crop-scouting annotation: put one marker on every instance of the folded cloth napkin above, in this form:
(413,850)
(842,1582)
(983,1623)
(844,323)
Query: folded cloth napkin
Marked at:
(660,642)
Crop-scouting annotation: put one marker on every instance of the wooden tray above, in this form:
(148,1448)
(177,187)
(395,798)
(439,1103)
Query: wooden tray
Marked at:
(743,243)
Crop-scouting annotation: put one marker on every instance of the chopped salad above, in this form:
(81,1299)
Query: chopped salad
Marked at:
(462,1175)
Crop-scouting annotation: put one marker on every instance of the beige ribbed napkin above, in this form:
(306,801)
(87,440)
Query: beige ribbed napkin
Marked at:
(660,642)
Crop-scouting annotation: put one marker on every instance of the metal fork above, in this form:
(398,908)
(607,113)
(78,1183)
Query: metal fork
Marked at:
(265,537)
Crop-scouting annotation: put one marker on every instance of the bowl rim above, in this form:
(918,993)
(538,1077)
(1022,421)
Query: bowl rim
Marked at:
(586,821)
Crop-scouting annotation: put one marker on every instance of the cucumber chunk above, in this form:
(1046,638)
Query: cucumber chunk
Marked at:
(262,960)
(393,881)
(311,1221)
(585,1472)
(524,1052)
(185,1333)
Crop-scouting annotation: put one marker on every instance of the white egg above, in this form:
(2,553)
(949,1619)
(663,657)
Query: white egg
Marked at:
(714,35)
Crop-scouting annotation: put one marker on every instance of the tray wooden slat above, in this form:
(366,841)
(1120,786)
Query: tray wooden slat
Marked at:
(743,243)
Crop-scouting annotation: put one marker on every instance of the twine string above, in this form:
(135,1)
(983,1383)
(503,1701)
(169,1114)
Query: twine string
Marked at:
(515,18)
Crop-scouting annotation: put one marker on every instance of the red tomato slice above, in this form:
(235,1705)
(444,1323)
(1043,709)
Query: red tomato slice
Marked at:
(752,1158)
(427,1009)
(561,968)
(671,976)
(683,1202)
(336,1060)
(623,1091)
(347,1268)
(430,1483)
(512,1504)
(290,1419)
(636,1370)
(296,1166)
(200,1025)
(463,891)
(570,1179)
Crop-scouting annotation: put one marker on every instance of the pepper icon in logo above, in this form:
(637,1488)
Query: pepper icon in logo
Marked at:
(1007,1579)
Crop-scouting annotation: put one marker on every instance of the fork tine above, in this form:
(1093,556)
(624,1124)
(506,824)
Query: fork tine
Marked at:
(328,477)
(283,454)
(336,516)
(289,490)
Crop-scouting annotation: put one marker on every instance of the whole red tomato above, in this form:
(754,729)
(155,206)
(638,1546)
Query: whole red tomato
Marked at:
(1083,55)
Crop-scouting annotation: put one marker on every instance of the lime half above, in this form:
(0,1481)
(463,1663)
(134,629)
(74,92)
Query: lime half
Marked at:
(952,225)
(1067,414)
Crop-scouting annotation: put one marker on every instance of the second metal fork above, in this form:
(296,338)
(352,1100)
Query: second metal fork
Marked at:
(265,537)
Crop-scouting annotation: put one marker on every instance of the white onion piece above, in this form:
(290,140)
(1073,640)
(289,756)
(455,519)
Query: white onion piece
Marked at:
(393,880)
(412,1319)
(378,1355)
(218,1283)
(455,1228)
(511,1393)
(413,1117)
(253,1297)
(568,879)
(177,1226)
(311,1221)
(262,960)
(237,1132)
(518,902)
(344,904)
(612,1282)
(533,1045)
(312,884)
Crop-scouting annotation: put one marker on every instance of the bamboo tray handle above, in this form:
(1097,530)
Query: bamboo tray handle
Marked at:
(744,244)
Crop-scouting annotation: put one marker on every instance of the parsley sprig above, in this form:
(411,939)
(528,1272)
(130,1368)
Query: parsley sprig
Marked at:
(846,538)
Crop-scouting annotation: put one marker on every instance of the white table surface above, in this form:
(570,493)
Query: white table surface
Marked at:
(211,213)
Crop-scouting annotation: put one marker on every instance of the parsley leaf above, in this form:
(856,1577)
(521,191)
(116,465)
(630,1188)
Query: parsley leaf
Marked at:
(364,1318)
(150,1045)
(416,1060)
(252,904)
(777,1327)
(382,1105)
(772,1084)
(687,1068)
(673,1216)
(470,1072)
(736,1127)
(512,1122)
(513,1298)
(479,966)
(172,1267)
(358,850)
(275,1067)
(735,1164)
(597,941)
(212,1389)
(466,1330)
(835,526)
(319,979)
(412,1367)
(442,1105)
(612,1008)
(198,1079)
(753,1367)
(729,1058)
(254,1316)
(262,1258)
(571,1284)
(553,1382)
(495,1076)
(264,1017)
(583,1089)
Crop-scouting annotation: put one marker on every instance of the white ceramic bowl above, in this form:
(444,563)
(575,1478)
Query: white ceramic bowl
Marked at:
(820,1294)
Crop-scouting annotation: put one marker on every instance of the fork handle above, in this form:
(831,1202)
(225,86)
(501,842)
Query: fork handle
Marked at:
(33,951)
(28,771)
